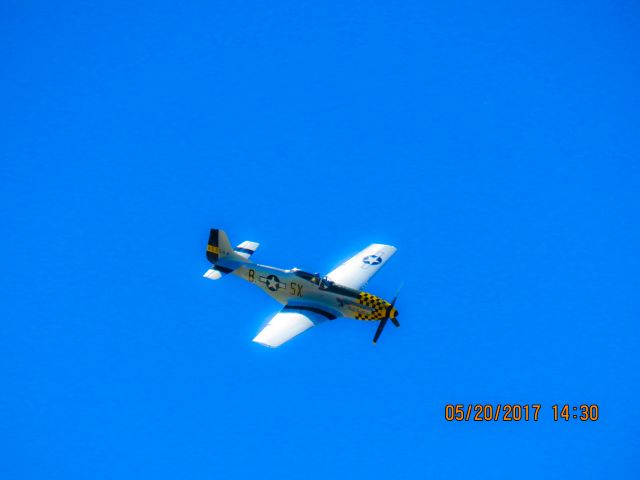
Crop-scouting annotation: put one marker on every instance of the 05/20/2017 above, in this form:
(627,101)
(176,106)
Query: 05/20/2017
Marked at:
(488,412)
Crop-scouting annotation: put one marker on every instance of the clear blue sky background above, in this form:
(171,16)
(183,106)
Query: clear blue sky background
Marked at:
(496,146)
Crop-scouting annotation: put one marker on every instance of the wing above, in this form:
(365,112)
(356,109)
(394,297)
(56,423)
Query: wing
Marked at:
(357,271)
(288,323)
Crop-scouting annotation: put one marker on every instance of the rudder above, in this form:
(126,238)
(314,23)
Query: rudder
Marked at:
(219,247)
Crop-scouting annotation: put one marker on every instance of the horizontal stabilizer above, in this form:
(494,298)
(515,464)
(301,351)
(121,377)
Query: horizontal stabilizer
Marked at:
(212,274)
(246,248)
(216,272)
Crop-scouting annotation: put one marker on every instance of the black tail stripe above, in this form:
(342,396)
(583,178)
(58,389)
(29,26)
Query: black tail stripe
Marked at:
(213,237)
(213,244)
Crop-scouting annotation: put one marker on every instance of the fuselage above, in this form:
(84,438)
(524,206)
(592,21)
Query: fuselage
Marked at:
(301,290)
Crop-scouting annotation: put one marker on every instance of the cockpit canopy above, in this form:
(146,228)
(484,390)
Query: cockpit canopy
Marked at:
(322,282)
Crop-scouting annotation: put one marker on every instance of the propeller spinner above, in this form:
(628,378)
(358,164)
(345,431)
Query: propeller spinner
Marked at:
(387,316)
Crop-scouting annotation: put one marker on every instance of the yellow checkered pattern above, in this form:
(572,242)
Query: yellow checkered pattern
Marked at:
(378,305)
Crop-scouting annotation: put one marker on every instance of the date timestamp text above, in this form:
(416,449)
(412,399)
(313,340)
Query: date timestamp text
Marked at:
(516,412)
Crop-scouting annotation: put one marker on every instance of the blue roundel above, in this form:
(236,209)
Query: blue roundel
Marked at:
(273,283)
(372,260)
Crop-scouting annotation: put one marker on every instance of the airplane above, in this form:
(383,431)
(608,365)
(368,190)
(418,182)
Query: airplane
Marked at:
(308,298)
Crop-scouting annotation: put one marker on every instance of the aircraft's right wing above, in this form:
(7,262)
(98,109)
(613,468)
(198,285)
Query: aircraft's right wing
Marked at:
(357,271)
(289,322)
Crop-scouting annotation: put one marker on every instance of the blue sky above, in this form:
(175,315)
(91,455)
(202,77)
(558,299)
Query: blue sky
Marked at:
(495,145)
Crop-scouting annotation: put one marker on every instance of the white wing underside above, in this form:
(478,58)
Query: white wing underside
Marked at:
(285,325)
(359,269)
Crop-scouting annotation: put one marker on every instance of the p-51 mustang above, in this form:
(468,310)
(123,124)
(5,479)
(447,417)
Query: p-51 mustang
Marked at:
(308,298)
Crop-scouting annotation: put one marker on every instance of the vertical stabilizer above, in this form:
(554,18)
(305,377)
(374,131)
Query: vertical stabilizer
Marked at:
(221,254)
(219,247)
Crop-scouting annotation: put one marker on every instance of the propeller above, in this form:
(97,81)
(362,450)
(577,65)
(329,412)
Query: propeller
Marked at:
(387,316)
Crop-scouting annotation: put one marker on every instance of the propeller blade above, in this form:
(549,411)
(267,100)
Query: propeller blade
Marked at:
(393,302)
(397,293)
(387,317)
(383,322)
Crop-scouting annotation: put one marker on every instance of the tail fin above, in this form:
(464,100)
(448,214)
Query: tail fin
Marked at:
(223,257)
(219,248)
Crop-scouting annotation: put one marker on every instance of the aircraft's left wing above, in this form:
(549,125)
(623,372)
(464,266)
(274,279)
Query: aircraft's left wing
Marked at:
(357,271)
(289,322)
